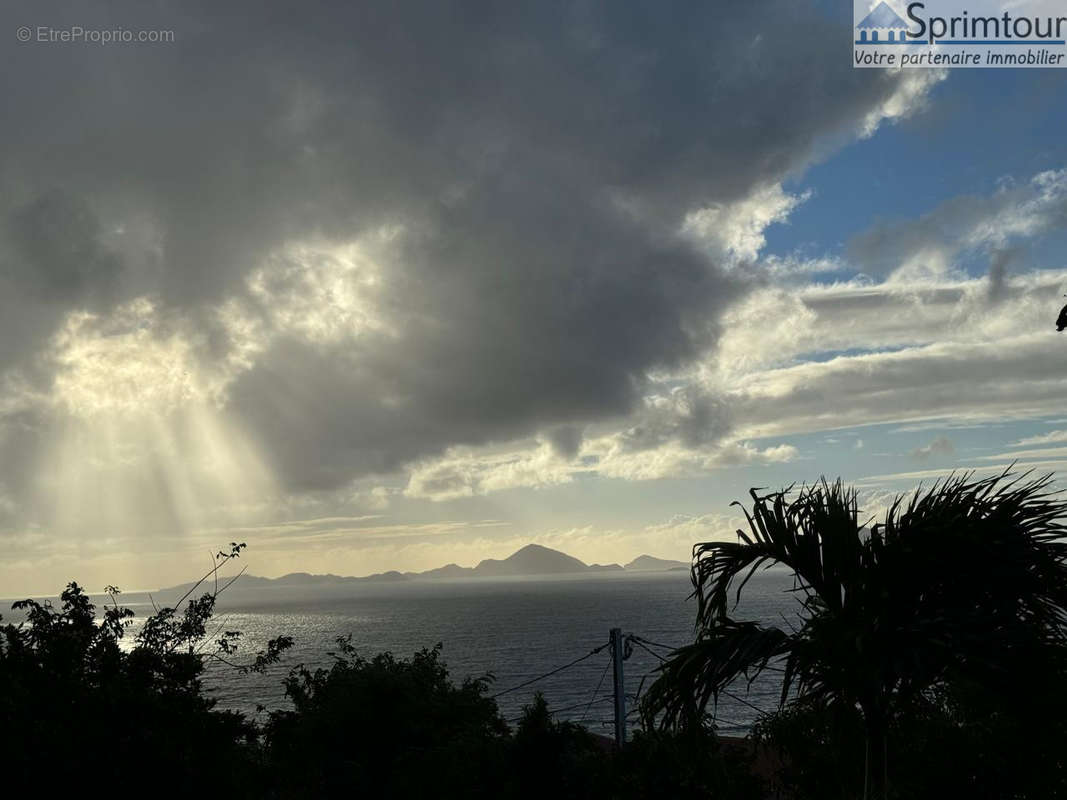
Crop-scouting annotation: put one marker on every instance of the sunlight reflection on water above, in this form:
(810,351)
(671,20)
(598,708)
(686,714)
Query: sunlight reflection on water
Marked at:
(515,629)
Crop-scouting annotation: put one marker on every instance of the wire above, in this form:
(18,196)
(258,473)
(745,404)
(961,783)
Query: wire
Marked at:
(640,643)
(594,701)
(744,701)
(591,653)
(596,691)
(582,704)
(641,685)
(654,644)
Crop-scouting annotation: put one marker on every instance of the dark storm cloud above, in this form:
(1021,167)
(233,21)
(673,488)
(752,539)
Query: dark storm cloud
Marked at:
(58,251)
(566,441)
(539,158)
(52,259)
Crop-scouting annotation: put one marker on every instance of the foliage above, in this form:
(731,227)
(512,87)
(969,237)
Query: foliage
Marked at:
(400,728)
(74,697)
(820,750)
(395,726)
(929,662)
(947,742)
(115,714)
(689,764)
(962,586)
(550,758)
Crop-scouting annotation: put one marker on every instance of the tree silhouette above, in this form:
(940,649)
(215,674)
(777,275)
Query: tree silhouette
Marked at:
(108,715)
(963,585)
(388,726)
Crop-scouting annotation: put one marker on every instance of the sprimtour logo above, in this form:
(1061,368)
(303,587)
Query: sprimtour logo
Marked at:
(943,33)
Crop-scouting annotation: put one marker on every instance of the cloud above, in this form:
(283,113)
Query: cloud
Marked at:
(831,356)
(675,461)
(1043,453)
(978,380)
(999,262)
(1051,437)
(460,474)
(941,446)
(470,473)
(435,228)
(907,481)
(735,231)
(933,243)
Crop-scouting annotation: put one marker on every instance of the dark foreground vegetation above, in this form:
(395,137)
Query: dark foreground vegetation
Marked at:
(930,662)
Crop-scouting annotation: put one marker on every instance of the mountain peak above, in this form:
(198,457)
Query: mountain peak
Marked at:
(533,559)
(535,548)
(647,563)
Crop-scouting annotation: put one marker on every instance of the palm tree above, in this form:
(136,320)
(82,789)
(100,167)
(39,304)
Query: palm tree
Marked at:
(961,582)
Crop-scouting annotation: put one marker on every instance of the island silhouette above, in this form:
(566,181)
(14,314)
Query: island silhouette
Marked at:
(533,559)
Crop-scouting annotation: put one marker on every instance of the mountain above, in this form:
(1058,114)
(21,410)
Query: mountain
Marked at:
(537,560)
(645,563)
(447,571)
(533,559)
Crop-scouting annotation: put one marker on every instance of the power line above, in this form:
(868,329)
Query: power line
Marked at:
(596,691)
(745,702)
(582,704)
(654,644)
(640,643)
(594,701)
(591,653)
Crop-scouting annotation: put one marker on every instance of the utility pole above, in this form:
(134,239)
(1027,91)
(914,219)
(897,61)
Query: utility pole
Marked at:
(617,656)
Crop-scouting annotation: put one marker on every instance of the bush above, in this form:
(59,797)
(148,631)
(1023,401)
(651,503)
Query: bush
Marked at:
(953,740)
(392,726)
(686,765)
(555,759)
(78,711)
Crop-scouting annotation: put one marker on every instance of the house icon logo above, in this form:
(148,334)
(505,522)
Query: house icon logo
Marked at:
(882,25)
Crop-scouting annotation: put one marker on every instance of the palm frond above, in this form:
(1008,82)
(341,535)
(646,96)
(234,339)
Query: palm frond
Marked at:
(956,579)
(694,675)
(817,535)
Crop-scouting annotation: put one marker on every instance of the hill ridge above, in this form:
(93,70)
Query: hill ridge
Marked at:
(531,559)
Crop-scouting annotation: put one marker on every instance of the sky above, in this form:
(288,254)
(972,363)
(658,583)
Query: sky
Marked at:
(376,286)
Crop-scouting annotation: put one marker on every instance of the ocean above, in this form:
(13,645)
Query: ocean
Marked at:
(514,628)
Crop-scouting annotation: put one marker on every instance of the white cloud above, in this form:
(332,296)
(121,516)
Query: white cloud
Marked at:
(469,473)
(322,291)
(464,473)
(736,230)
(675,460)
(909,96)
(983,379)
(907,481)
(1042,453)
(126,362)
(1046,438)
(778,326)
